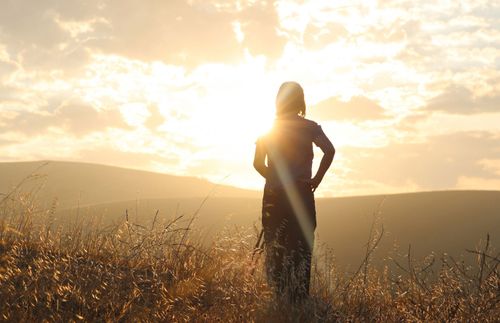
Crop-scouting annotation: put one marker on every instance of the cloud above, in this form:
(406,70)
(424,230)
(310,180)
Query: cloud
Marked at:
(30,24)
(6,142)
(459,37)
(410,122)
(63,35)
(10,94)
(80,118)
(458,99)
(170,31)
(179,33)
(33,36)
(6,68)
(316,35)
(155,118)
(437,163)
(75,117)
(358,108)
(259,25)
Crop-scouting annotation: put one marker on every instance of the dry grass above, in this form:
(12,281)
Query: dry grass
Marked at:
(155,272)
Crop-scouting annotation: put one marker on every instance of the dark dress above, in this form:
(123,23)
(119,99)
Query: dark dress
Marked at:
(288,209)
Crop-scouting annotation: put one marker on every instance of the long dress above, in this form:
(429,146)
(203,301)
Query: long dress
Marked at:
(288,208)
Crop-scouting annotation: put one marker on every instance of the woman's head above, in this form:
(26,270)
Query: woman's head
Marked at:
(290,100)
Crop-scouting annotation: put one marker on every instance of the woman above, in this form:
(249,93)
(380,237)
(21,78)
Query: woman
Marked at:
(288,210)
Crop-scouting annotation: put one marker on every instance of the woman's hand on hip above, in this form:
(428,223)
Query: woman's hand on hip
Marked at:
(313,182)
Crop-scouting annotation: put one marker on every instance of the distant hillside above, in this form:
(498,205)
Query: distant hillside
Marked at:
(81,183)
(441,221)
(446,221)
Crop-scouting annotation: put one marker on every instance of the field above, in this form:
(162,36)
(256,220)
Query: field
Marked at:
(157,269)
(431,222)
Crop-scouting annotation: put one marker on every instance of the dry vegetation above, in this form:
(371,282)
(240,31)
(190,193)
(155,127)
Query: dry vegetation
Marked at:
(87,271)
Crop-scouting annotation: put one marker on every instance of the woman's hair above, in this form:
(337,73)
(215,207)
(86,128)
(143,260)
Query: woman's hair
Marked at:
(290,100)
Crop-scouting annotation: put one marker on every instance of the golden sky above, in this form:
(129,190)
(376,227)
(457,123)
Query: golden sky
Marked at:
(408,91)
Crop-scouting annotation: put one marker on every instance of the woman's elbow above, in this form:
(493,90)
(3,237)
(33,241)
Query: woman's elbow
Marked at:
(330,151)
(258,166)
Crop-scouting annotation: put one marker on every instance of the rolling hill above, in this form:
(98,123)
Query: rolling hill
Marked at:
(84,184)
(441,221)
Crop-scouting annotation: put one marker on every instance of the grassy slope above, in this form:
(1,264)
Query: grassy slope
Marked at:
(448,221)
(81,183)
(129,273)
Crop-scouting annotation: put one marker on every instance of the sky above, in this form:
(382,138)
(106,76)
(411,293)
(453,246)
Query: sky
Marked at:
(408,92)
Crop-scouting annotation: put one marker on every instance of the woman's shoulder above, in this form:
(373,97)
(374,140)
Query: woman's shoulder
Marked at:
(313,128)
(310,123)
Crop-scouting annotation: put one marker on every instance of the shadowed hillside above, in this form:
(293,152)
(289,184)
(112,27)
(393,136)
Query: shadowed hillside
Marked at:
(442,221)
(83,184)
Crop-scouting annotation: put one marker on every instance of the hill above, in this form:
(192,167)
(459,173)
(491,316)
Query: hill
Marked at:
(84,184)
(442,221)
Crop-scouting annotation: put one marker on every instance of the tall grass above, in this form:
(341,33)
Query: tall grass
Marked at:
(157,271)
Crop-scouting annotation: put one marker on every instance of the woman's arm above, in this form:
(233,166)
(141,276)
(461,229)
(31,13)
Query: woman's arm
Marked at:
(326,146)
(259,160)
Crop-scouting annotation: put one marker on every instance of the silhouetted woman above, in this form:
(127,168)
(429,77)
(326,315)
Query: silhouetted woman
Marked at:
(288,209)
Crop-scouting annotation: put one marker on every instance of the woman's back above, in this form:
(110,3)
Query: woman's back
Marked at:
(289,147)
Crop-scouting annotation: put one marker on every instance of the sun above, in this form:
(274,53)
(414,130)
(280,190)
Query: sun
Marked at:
(232,127)
(231,120)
